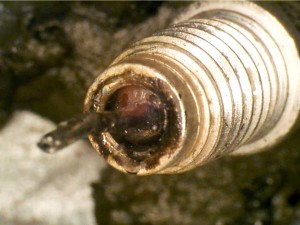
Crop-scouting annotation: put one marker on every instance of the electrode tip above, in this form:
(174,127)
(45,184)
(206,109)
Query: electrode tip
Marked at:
(67,132)
(135,115)
(48,144)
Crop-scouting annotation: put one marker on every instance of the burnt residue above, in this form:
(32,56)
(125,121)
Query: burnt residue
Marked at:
(99,146)
(142,115)
(166,144)
(141,153)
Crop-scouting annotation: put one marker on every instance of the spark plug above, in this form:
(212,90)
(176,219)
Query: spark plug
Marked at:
(222,79)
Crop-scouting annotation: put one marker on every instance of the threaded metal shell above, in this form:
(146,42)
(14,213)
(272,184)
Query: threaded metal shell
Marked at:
(232,72)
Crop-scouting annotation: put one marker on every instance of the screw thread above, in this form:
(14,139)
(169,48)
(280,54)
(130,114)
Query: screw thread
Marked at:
(241,73)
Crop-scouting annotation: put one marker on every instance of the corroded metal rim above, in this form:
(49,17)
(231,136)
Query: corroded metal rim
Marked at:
(126,74)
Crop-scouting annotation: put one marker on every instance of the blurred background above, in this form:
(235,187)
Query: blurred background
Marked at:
(50,53)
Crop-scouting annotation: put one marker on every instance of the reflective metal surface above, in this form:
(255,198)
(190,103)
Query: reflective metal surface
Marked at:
(228,75)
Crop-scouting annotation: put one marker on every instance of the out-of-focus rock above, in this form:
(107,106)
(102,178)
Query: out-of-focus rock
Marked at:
(31,43)
(37,188)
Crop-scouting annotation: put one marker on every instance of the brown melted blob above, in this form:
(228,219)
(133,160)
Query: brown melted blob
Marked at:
(142,114)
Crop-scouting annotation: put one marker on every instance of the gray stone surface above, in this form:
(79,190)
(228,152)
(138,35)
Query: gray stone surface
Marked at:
(37,188)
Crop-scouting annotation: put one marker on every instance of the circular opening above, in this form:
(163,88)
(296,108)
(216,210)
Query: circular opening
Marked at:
(150,118)
(142,115)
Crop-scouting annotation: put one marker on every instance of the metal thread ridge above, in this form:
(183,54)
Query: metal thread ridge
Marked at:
(239,79)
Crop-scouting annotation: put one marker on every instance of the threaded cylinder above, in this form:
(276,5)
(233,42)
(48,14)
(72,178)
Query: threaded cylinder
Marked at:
(231,71)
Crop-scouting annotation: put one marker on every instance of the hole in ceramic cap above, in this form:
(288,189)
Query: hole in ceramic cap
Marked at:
(142,113)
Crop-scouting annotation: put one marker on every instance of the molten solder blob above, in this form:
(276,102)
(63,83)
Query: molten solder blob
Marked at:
(141,112)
